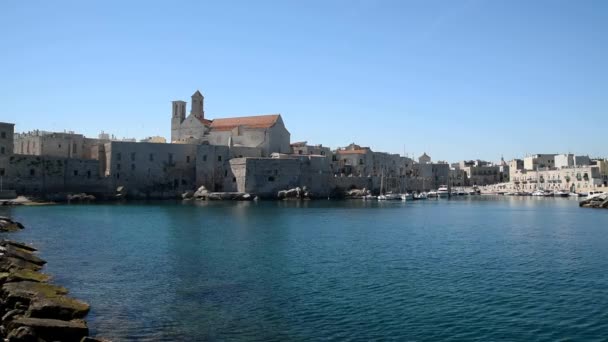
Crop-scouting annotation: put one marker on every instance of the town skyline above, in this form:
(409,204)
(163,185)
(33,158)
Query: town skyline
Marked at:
(469,80)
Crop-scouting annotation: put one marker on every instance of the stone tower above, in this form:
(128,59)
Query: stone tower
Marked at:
(179,115)
(198,105)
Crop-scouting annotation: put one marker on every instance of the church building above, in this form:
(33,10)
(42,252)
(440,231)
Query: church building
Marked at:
(266,132)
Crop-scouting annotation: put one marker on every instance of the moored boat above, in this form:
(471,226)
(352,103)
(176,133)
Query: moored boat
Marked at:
(443,191)
(407,197)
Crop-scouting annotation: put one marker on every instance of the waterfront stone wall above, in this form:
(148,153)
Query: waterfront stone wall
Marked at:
(42,175)
(265,177)
(150,169)
(6,139)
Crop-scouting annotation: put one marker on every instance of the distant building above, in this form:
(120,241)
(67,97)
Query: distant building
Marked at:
(424,159)
(539,161)
(54,144)
(266,132)
(302,148)
(155,139)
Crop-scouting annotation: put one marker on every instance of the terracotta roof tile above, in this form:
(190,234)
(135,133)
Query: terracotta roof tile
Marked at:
(260,121)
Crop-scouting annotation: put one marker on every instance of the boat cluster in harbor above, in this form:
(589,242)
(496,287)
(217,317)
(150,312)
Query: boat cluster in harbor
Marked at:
(442,192)
(549,193)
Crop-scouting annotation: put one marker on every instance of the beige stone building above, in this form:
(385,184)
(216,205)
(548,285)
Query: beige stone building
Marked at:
(54,144)
(302,148)
(539,161)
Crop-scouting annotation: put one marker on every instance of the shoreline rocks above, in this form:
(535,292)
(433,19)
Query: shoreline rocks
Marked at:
(32,309)
(599,201)
(8,225)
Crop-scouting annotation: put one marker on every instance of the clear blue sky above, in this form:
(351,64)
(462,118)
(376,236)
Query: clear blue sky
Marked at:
(457,79)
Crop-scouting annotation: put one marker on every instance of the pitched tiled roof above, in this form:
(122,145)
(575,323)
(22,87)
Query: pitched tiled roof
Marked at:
(260,121)
(204,121)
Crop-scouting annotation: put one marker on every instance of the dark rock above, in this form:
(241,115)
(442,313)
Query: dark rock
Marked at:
(59,307)
(26,291)
(22,254)
(11,314)
(8,263)
(23,334)
(25,275)
(92,339)
(18,244)
(9,226)
(52,329)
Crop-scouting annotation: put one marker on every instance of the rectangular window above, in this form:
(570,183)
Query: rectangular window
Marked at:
(133,156)
(151,156)
(117,166)
(74,148)
(32,172)
(170,158)
(205,157)
(89,174)
(118,156)
(132,167)
(118,175)
(58,145)
(187,159)
(1,172)
(2,150)
(75,172)
(3,135)
(219,158)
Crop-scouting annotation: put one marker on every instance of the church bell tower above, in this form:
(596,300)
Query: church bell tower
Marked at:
(198,105)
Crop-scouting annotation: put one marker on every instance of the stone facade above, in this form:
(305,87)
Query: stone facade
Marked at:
(150,169)
(539,161)
(302,148)
(569,179)
(7,131)
(266,132)
(264,177)
(53,144)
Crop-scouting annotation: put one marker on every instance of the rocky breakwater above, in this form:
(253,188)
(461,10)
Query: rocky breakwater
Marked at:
(203,194)
(357,193)
(597,201)
(31,308)
(295,194)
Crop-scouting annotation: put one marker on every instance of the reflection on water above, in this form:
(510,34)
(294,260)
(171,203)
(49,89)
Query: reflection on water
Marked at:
(469,268)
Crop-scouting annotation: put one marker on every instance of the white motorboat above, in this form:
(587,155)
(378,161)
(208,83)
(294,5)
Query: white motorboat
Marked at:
(592,194)
(443,191)
(561,193)
(432,194)
(573,194)
(369,198)
(389,197)
(420,196)
(407,197)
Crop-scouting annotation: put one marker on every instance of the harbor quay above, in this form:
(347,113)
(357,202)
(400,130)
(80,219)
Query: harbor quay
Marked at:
(254,155)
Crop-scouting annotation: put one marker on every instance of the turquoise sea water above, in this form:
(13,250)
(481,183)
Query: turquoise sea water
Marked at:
(470,269)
